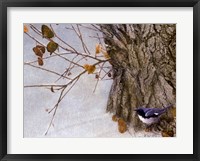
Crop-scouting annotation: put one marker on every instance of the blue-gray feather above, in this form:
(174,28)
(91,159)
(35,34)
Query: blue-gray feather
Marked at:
(152,112)
(150,115)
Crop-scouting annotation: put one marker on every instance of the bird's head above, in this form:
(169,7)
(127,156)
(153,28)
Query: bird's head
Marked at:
(139,111)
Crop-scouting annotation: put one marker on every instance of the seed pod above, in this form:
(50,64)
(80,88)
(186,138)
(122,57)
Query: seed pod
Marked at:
(97,76)
(109,74)
(69,74)
(52,90)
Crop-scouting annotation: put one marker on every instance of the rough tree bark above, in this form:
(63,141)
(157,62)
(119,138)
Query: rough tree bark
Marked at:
(143,57)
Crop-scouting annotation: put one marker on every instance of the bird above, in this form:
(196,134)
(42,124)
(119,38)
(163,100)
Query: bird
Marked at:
(150,116)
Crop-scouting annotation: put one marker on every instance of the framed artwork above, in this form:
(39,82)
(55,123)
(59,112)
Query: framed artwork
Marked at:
(81,79)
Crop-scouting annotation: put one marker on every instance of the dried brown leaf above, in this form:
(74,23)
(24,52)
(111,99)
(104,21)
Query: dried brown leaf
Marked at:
(40,61)
(90,68)
(25,28)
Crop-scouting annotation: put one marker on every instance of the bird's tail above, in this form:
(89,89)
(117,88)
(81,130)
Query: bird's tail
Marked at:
(165,109)
(169,106)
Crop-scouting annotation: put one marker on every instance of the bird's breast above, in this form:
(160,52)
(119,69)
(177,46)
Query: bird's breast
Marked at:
(148,121)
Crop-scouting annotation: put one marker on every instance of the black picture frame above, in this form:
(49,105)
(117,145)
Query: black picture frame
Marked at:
(4,4)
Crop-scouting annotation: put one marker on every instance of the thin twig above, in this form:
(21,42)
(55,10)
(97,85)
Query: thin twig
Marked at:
(54,52)
(51,56)
(59,100)
(44,85)
(68,69)
(82,41)
(99,73)
(96,27)
(106,73)
(65,88)
(49,39)
(78,33)
(50,71)
(63,41)
(90,28)
(89,56)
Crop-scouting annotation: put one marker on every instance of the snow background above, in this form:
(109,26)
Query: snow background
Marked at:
(81,113)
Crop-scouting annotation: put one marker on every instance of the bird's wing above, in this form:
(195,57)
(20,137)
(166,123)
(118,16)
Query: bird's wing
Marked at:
(150,113)
(145,109)
(154,112)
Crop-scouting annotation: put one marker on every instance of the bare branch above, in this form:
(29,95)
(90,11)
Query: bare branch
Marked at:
(75,60)
(99,73)
(50,71)
(56,106)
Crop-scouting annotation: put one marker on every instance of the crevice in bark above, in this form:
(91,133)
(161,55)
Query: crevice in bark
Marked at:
(143,57)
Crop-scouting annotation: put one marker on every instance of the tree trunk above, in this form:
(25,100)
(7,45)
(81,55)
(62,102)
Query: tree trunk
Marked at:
(143,57)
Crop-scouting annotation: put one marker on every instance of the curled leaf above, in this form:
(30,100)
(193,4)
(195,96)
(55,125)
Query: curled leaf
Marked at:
(86,66)
(122,127)
(25,28)
(121,121)
(115,118)
(51,47)
(39,50)
(106,55)
(40,61)
(90,68)
(42,48)
(98,48)
(46,32)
